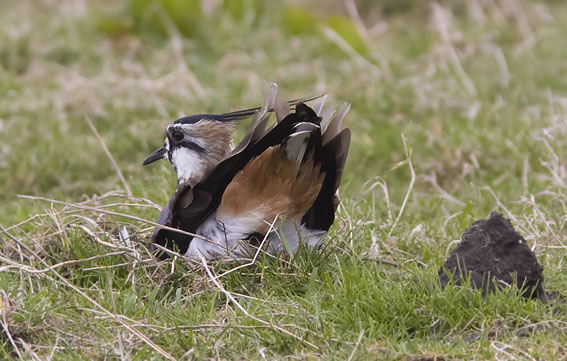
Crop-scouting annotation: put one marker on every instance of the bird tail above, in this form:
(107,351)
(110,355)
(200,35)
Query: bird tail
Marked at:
(332,157)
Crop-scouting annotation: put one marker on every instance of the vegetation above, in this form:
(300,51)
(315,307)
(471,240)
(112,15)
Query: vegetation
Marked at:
(458,109)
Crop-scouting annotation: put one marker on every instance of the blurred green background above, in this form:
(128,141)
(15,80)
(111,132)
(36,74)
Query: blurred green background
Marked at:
(462,80)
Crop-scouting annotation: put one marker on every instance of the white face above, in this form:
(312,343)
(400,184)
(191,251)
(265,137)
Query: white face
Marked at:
(187,163)
(194,148)
(185,152)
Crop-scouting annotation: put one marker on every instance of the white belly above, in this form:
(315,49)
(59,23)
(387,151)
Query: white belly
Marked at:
(226,239)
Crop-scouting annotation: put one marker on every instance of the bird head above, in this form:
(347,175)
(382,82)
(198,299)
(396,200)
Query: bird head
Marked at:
(194,145)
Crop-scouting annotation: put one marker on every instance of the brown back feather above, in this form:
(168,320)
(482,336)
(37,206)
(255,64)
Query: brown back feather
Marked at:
(270,186)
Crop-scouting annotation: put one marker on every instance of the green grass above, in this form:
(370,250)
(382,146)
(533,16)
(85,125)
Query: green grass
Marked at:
(478,91)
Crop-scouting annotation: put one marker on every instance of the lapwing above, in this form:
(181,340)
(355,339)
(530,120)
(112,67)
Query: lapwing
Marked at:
(277,189)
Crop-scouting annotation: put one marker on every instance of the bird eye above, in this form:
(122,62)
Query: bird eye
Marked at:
(177,136)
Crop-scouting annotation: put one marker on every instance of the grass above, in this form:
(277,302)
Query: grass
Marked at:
(476,89)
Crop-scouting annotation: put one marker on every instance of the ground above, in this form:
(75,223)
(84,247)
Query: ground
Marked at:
(458,109)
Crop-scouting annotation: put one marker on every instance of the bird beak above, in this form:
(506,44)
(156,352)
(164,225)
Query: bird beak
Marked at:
(157,155)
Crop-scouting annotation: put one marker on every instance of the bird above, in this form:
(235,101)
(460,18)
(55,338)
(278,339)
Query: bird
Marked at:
(276,190)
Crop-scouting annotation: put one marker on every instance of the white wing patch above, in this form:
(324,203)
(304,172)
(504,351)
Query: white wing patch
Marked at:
(296,145)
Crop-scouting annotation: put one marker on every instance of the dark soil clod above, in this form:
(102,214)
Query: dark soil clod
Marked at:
(495,256)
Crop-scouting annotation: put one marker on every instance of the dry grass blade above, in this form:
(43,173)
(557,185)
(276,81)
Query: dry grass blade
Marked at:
(410,187)
(442,20)
(99,210)
(356,345)
(110,157)
(4,313)
(243,310)
(256,254)
(57,265)
(115,317)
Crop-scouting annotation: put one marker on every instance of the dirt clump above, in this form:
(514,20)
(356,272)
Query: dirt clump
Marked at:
(495,256)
